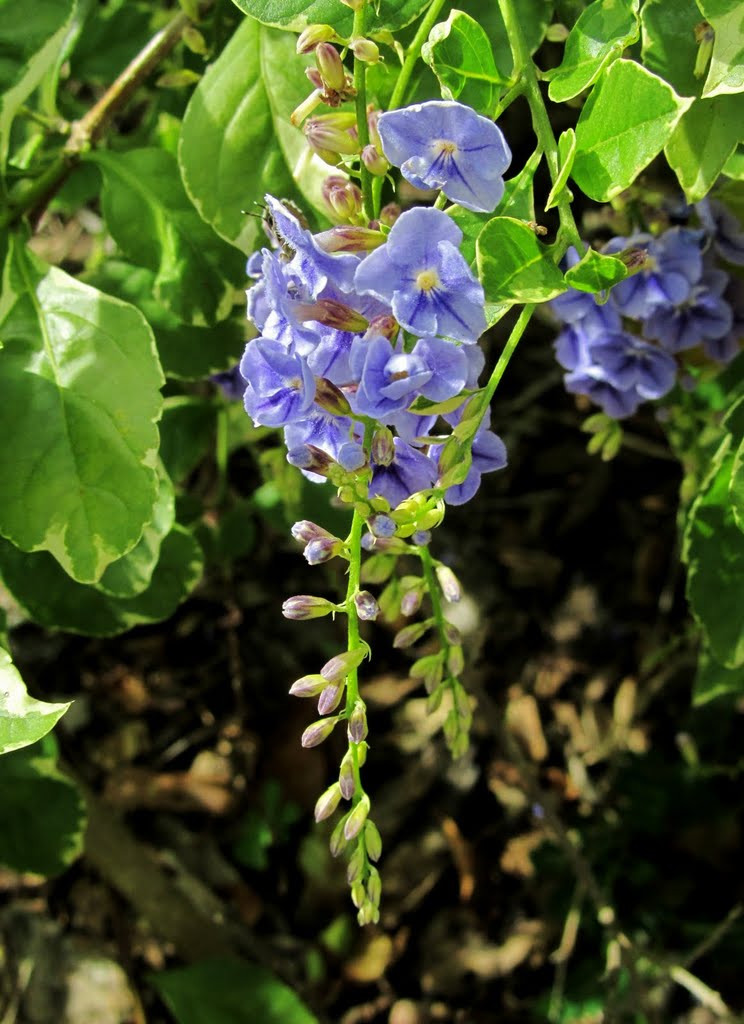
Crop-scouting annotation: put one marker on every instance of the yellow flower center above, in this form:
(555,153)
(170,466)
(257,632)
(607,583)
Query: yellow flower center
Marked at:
(445,146)
(427,280)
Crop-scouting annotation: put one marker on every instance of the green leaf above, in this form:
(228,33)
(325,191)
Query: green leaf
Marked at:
(80,382)
(626,121)
(43,814)
(186,353)
(726,71)
(131,574)
(226,991)
(714,553)
(239,114)
(23,720)
(113,33)
(736,487)
(459,53)
(704,139)
(534,18)
(713,680)
(187,433)
(55,601)
(566,155)
(154,223)
(595,272)
(669,48)
(297,14)
(600,35)
(513,266)
(31,40)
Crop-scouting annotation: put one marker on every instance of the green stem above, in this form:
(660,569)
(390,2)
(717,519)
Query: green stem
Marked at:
(512,341)
(360,84)
(507,99)
(427,564)
(354,545)
(524,70)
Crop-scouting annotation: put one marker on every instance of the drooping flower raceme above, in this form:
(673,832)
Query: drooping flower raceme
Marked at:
(446,145)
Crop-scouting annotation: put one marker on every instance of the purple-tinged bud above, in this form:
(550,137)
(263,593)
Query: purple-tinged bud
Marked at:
(356,819)
(346,776)
(389,214)
(409,635)
(310,458)
(307,106)
(308,686)
(304,531)
(328,802)
(372,840)
(384,325)
(382,450)
(410,602)
(366,606)
(304,606)
(343,197)
(339,667)
(449,583)
(429,670)
(349,238)
(357,728)
(332,313)
(313,75)
(309,38)
(452,633)
(331,398)
(352,457)
(365,50)
(337,842)
(355,865)
(319,731)
(634,259)
(374,161)
(326,138)
(373,117)
(382,526)
(330,66)
(358,895)
(330,698)
(455,660)
(322,550)
(421,538)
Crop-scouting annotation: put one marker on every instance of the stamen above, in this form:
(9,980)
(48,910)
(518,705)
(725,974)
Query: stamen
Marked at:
(427,280)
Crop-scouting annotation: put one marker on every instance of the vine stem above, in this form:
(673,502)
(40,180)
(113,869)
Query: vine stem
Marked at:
(508,351)
(360,84)
(86,132)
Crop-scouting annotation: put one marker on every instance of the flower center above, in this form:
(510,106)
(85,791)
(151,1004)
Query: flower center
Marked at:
(295,384)
(446,147)
(400,375)
(427,280)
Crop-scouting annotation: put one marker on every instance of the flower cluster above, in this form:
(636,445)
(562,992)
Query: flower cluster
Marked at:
(627,350)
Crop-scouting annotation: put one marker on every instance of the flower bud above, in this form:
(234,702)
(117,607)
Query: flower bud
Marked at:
(308,686)
(389,214)
(421,538)
(327,138)
(355,865)
(365,50)
(322,550)
(332,313)
(309,38)
(319,731)
(449,583)
(368,914)
(357,727)
(382,526)
(383,450)
(384,325)
(352,457)
(634,259)
(331,398)
(429,670)
(372,840)
(306,108)
(374,887)
(328,802)
(303,606)
(304,531)
(430,518)
(366,606)
(310,458)
(358,894)
(337,842)
(349,238)
(343,197)
(455,660)
(452,633)
(410,602)
(356,818)
(408,636)
(339,667)
(330,66)
(330,698)
(346,776)
(373,117)
(374,161)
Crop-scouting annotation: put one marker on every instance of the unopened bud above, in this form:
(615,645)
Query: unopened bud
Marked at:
(343,197)
(327,138)
(634,259)
(455,660)
(351,457)
(309,38)
(319,731)
(349,238)
(330,66)
(331,398)
(382,525)
(374,161)
(408,636)
(366,606)
(383,449)
(452,633)
(705,37)
(304,531)
(429,670)
(368,914)
(322,550)
(356,819)
(306,108)
(372,840)
(339,667)
(430,518)
(358,895)
(332,313)
(346,776)
(411,600)
(373,117)
(374,887)
(337,842)
(330,698)
(357,727)
(384,325)
(389,214)
(310,458)
(449,583)
(365,50)
(421,538)
(304,606)
(328,802)
(355,865)
(308,686)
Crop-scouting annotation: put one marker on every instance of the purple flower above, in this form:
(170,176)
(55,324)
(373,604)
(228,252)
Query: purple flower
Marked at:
(422,275)
(489,454)
(230,382)
(613,401)
(331,434)
(388,379)
(704,316)
(627,362)
(448,365)
(446,145)
(724,229)
(409,472)
(280,387)
(676,265)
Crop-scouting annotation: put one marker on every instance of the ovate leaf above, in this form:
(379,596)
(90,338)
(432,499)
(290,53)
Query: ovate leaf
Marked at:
(726,71)
(32,36)
(187,433)
(602,32)
(80,382)
(513,266)
(296,14)
(23,720)
(155,224)
(459,53)
(669,48)
(534,18)
(43,814)
(713,680)
(626,121)
(704,139)
(595,272)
